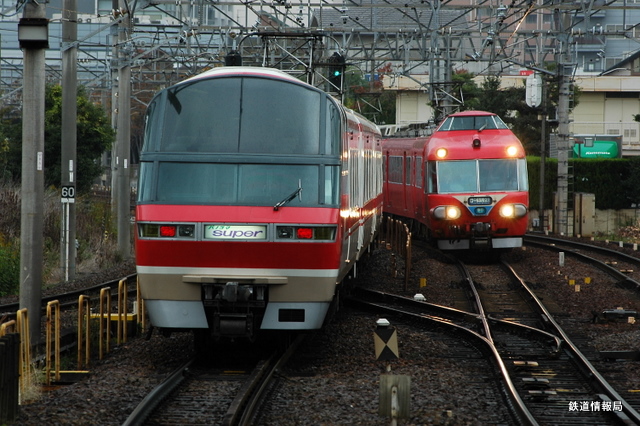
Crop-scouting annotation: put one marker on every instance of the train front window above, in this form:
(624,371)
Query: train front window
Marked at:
(498,175)
(474,122)
(243,115)
(457,176)
(278,117)
(467,176)
(239,184)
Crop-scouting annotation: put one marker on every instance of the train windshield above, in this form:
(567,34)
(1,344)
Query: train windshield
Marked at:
(477,122)
(478,176)
(238,184)
(241,115)
(241,141)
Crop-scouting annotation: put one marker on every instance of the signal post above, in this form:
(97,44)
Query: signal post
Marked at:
(395,394)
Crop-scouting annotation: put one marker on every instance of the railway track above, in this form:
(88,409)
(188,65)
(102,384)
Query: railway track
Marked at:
(545,376)
(227,392)
(474,376)
(69,300)
(619,265)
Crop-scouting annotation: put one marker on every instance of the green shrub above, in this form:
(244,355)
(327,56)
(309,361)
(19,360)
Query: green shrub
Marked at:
(9,271)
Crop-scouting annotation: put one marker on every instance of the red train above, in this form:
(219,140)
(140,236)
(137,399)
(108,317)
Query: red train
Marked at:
(465,186)
(257,195)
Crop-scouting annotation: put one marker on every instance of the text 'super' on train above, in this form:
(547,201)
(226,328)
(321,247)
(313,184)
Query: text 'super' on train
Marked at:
(257,195)
(465,186)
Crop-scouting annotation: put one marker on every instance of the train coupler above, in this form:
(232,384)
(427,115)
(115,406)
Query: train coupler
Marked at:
(233,325)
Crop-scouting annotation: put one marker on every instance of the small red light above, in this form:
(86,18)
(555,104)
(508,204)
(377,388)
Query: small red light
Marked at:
(167,231)
(304,233)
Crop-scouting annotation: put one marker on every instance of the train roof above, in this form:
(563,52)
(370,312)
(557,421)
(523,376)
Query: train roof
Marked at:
(404,144)
(277,74)
(250,71)
(470,113)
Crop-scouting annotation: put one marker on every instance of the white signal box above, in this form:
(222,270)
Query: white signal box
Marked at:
(534,90)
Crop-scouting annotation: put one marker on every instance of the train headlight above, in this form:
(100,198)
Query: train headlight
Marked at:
(447,212)
(441,153)
(453,213)
(513,210)
(512,151)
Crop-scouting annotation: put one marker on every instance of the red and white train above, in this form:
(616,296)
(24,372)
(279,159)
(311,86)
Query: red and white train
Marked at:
(465,186)
(257,195)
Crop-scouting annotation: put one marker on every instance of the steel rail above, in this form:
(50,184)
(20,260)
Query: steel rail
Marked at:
(586,368)
(151,402)
(516,405)
(611,271)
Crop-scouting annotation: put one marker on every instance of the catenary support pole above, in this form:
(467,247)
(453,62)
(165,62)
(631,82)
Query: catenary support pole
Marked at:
(69,167)
(31,223)
(123,148)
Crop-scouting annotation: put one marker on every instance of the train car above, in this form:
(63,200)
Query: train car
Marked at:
(257,195)
(465,186)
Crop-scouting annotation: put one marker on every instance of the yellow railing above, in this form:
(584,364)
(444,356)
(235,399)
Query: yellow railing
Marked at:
(105,310)
(122,312)
(21,326)
(84,313)
(53,321)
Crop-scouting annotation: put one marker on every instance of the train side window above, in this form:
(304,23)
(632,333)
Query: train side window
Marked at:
(395,169)
(523,180)
(151,126)
(431,177)
(407,170)
(418,168)
(145,188)
(333,129)
(331,184)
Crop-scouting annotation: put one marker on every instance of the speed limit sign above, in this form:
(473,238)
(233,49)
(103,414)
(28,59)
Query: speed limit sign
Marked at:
(68,194)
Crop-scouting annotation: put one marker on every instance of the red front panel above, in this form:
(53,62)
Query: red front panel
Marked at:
(237,254)
(507,227)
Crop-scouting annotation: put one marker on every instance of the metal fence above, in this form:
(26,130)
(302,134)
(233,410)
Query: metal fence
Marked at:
(397,237)
(9,377)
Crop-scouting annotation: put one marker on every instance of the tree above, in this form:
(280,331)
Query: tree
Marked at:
(509,103)
(367,96)
(94,134)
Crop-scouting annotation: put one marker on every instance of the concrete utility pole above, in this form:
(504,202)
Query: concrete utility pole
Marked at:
(123,148)
(566,66)
(33,37)
(69,138)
